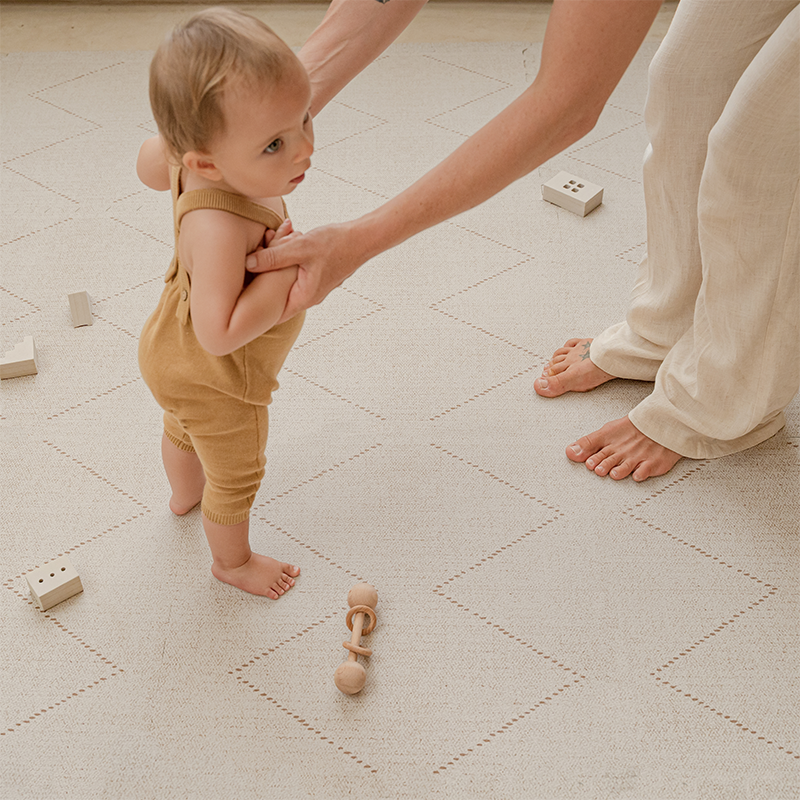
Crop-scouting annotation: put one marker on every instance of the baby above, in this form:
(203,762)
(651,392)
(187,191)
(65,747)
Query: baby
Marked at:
(231,102)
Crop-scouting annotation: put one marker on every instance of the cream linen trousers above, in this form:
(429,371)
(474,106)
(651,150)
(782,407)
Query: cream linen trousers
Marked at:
(714,316)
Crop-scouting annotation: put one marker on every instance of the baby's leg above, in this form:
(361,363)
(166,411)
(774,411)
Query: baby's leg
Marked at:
(185,475)
(235,563)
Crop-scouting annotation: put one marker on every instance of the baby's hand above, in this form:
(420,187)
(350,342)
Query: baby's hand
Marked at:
(285,231)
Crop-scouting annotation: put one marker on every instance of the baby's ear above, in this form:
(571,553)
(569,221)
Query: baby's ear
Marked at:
(201,164)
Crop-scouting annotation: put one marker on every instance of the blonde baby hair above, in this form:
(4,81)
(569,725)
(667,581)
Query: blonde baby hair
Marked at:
(192,66)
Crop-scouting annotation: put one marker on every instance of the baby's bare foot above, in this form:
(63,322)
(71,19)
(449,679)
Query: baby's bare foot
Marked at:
(620,449)
(260,575)
(570,370)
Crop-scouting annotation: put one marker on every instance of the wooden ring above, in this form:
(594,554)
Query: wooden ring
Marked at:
(357,648)
(362,610)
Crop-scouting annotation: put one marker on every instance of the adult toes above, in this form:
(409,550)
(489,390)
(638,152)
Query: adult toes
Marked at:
(644,471)
(549,386)
(581,450)
(607,464)
(621,470)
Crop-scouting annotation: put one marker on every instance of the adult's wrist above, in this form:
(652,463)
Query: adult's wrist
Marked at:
(368,236)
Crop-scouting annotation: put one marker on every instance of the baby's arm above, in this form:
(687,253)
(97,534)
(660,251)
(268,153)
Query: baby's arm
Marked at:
(226,316)
(151,166)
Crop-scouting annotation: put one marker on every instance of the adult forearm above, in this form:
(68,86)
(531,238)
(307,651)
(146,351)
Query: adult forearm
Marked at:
(519,139)
(560,107)
(350,37)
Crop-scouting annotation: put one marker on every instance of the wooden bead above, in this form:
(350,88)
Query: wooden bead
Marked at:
(350,677)
(362,594)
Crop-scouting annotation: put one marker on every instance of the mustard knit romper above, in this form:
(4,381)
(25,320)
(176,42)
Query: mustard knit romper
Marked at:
(215,406)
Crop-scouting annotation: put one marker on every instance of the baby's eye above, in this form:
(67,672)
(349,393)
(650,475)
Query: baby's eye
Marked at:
(307,118)
(273,147)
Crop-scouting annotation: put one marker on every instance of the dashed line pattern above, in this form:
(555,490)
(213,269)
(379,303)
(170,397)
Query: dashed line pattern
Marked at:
(310,549)
(92,400)
(491,475)
(517,639)
(351,183)
(278,646)
(157,279)
(430,120)
(768,591)
(485,392)
(35,308)
(143,233)
(37,231)
(313,478)
(727,718)
(640,121)
(435,306)
(625,253)
(504,729)
(310,728)
(42,185)
(41,712)
(97,475)
(379,308)
(144,191)
(335,394)
(505,85)
(381,122)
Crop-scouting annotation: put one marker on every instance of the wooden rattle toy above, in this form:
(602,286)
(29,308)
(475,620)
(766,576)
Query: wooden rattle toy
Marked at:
(350,676)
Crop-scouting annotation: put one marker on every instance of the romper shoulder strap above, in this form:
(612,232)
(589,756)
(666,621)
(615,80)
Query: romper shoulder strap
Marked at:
(225,201)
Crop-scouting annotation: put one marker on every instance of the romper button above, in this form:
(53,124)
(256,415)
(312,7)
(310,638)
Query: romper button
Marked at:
(184,294)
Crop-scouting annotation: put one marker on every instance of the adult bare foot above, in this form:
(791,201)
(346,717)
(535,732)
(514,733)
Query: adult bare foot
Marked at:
(619,449)
(570,370)
(259,575)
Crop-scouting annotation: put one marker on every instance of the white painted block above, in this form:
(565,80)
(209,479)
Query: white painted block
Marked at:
(80,306)
(572,193)
(19,361)
(54,582)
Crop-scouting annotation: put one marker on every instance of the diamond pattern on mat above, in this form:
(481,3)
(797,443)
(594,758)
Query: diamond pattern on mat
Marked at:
(65,521)
(78,96)
(501,679)
(436,360)
(36,208)
(46,125)
(403,499)
(66,666)
(342,122)
(618,601)
(14,309)
(747,508)
(374,94)
(720,679)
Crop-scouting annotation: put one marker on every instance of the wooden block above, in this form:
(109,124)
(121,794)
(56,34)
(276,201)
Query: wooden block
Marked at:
(80,306)
(19,361)
(54,582)
(572,193)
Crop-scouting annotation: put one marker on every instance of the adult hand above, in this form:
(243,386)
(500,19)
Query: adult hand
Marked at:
(325,256)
